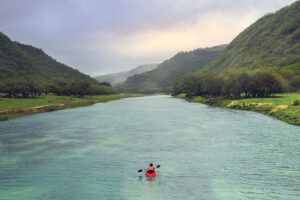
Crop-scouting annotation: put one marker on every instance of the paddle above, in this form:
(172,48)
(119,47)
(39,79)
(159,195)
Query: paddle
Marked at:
(140,170)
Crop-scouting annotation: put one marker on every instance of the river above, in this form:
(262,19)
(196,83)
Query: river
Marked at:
(94,153)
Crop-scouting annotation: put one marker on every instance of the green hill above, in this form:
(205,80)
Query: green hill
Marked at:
(25,62)
(271,43)
(163,77)
(119,77)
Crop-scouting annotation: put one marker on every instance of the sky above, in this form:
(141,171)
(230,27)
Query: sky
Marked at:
(104,36)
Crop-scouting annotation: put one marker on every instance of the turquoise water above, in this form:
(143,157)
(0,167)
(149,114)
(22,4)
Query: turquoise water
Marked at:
(94,153)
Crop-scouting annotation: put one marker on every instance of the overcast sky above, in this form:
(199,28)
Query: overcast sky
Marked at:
(101,36)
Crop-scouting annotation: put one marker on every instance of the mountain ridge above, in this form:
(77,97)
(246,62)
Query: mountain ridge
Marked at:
(25,62)
(272,42)
(162,78)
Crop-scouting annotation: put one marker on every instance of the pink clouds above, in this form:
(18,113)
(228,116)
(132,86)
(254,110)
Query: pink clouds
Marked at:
(99,36)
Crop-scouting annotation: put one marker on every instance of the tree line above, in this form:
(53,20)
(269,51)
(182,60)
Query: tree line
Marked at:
(61,87)
(237,85)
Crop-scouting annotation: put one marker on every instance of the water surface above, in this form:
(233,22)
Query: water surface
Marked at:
(94,153)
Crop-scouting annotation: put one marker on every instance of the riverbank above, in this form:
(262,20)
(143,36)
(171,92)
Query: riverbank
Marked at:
(17,107)
(285,107)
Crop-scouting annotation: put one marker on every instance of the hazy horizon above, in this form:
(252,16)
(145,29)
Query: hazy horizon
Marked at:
(100,37)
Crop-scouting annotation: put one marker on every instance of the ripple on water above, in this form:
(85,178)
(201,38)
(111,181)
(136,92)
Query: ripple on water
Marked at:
(94,153)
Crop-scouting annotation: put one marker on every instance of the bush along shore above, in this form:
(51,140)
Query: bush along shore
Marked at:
(285,107)
(17,107)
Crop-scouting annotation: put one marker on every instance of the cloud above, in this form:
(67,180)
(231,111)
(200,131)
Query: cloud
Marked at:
(99,36)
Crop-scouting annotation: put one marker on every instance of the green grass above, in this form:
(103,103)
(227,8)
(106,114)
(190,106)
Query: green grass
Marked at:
(282,106)
(12,107)
(197,99)
(278,99)
(181,96)
(18,103)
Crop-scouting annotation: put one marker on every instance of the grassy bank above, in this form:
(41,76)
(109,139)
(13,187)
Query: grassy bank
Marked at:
(285,107)
(17,107)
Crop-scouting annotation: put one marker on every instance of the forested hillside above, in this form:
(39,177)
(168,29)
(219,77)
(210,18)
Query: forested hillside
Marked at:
(19,61)
(162,78)
(119,77)
(25,69)
(263,59)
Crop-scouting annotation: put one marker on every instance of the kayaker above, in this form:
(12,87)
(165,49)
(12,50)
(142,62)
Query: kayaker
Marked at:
(150,169)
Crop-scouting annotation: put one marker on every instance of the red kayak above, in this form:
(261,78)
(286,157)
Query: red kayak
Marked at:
(150,175)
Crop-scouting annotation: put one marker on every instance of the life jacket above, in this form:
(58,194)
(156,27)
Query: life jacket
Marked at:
(150,169)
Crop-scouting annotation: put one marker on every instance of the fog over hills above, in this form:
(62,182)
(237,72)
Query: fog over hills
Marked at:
(114,78)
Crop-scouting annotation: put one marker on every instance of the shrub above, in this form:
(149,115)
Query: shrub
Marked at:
(296,103)
(3,118)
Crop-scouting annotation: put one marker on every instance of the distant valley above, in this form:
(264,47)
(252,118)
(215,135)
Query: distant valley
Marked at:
(114,78)
(166,74)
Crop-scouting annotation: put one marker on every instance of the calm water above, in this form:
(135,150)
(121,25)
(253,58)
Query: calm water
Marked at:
(94,153)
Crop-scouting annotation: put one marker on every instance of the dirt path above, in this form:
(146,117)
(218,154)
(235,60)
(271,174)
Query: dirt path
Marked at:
(29,109)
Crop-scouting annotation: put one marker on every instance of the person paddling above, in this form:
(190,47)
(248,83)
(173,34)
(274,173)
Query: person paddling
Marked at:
(151,169)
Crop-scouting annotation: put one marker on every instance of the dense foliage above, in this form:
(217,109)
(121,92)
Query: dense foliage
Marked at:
(162,78)
(247,84)
(273,42)
(60,87)
(115,78)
